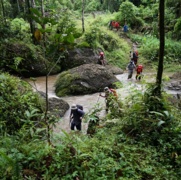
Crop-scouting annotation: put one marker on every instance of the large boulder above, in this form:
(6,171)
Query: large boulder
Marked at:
(25,60)
(84,79)
(78,56)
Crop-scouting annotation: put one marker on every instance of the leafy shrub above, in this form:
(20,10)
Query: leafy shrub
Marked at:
(16,97)
(177,29)
(149,48)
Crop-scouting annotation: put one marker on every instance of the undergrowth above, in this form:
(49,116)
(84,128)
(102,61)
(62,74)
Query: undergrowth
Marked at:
(141,143)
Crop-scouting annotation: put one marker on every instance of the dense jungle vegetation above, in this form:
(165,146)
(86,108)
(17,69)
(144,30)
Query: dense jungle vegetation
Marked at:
(142,142)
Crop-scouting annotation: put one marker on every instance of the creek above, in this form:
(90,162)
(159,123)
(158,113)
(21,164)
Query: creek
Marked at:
(90,100)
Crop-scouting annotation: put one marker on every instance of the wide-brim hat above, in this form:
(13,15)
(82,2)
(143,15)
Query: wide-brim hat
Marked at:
(73,107)
(106,89)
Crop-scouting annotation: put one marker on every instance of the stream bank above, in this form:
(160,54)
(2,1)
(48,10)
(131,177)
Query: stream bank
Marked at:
(90,100)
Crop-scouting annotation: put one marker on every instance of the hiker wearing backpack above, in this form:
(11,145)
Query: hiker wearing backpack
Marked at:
(131,66)
(125,28)
(110,94)
(139,71)
(135,56)
(76,116)
(101,60)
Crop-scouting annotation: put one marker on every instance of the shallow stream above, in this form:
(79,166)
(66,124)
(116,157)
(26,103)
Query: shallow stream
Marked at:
(89,101)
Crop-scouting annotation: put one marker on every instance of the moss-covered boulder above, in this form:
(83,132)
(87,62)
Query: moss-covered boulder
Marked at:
(25,60)
(84,79)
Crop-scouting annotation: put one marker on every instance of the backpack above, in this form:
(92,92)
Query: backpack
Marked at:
(80,107)
(139,68)
(131,66)
(114,92)
(135,54)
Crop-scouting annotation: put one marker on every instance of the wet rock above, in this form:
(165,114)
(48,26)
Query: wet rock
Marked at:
(175,82)
(175,85)
(57,106)
(84,79)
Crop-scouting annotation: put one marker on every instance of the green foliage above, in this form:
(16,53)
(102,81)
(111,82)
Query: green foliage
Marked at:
(177,29)
(128,12)
(116,49)
(16,97)
(140,144)
(92,6)
(149,47)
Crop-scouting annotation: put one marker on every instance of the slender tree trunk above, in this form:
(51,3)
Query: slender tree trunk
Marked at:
(30,20)
(47,103)
(180,9)
(43,25)
(18,6)
(162,45)
(3,12)
(33,4)
(83,6)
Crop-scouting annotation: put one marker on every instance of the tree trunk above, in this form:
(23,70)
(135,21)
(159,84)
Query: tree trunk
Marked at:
(3,12)
(30,20)
(162,46)
(19,10)
(180,9)
(43,25)
(83,6)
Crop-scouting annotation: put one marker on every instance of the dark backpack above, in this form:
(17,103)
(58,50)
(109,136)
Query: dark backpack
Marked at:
(131,66)
(135,54)
(80,107)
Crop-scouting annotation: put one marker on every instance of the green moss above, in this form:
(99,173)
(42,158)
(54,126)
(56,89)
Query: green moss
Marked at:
(62,85)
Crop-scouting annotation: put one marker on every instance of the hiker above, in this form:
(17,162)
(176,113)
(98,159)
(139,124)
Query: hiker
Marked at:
(125,28)
(131,66)
(135,56)
(109,95)
(117,25)
(139,70)
(76,116)
(101,60)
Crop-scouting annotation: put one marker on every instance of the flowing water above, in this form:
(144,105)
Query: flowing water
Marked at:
(89,101)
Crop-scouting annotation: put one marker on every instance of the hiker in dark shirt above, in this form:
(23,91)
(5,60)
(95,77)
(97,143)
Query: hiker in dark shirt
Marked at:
(76,116)
(131,66)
